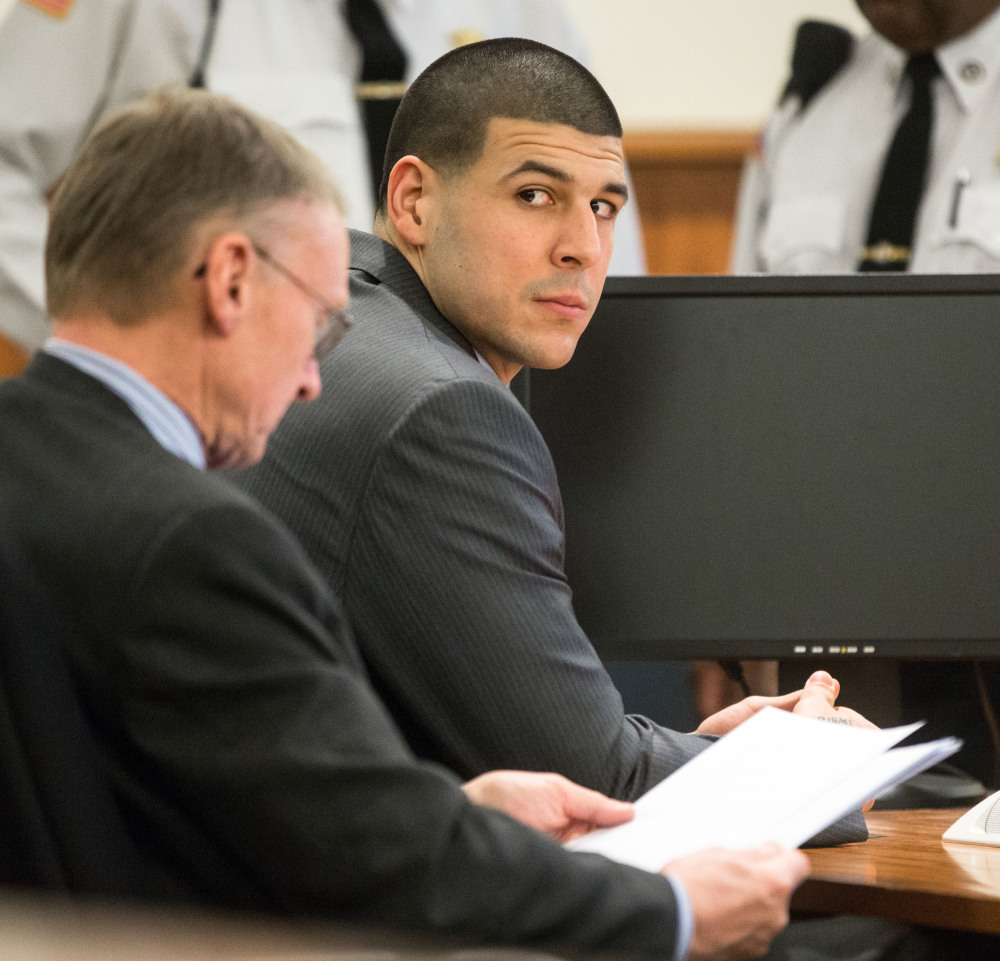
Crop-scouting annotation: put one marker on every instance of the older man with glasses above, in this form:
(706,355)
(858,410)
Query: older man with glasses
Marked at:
(196,268)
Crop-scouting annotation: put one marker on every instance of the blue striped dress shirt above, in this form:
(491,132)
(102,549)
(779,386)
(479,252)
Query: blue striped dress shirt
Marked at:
(168,424)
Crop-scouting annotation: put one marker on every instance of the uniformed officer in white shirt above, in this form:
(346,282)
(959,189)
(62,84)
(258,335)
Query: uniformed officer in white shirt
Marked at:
(805,203)
(63,64)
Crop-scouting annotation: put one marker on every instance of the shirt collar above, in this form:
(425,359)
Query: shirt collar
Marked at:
(971,62)
(167,423)
(485,363)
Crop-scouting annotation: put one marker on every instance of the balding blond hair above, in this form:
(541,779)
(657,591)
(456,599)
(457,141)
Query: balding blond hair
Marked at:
(125,212)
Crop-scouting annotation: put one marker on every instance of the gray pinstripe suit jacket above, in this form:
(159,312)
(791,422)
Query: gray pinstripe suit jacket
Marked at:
(425,494)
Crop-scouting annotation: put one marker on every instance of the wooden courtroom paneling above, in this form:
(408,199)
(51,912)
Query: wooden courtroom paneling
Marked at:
(686,184)
(12,358)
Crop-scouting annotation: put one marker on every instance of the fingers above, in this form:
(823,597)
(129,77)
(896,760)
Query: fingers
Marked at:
(722,722)
(547,802)
(821,684)
(856,719)
(791,868)
(593,808)
(784,701)
(819,695)
(739,899)
(788,868)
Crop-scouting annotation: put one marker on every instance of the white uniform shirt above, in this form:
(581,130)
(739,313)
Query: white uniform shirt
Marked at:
(292,60)
(805,205)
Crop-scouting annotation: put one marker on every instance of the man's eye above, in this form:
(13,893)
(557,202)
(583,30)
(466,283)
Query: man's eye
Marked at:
(604,209)
(535,197)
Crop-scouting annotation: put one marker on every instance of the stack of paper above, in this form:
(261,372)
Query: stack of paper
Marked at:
(777,777)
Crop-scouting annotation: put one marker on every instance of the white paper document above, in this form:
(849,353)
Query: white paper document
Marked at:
(777,777)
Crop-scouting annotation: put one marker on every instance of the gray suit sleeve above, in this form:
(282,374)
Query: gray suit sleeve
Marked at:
(457,593)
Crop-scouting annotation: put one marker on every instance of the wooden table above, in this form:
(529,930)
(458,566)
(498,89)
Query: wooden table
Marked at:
(905,872)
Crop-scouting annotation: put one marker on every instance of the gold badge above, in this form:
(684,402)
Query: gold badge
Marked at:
(459,38)
(54,8)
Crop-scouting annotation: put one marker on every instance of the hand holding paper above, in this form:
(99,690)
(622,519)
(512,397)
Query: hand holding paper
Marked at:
(777,777)
(547,802)
(739,898)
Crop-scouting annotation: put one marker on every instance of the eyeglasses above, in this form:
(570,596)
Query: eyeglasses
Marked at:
(337,320)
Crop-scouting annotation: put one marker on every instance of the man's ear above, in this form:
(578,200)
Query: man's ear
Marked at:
(414,191)
(227,280)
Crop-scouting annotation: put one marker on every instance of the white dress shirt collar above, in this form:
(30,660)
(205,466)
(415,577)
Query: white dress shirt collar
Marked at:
(168,424)
(971,62)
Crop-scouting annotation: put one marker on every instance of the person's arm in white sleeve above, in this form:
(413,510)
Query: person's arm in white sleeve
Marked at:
(53,74)
(749,207)
(58,76)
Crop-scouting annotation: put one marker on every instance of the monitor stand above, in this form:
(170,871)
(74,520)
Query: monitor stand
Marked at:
(872,687)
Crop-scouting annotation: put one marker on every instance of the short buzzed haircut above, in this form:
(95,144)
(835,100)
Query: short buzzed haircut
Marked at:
(444,116)
(124,213)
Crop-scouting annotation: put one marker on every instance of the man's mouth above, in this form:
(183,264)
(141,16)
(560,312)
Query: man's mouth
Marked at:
(569,304)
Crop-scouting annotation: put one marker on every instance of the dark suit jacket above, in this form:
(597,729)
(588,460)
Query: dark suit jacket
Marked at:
(429,501)
(61,827)
(241,738)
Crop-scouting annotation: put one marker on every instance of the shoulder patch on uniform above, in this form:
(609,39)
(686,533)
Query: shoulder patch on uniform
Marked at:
(467,35)
(54,8)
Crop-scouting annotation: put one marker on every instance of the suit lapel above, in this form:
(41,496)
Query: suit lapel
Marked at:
(385,265)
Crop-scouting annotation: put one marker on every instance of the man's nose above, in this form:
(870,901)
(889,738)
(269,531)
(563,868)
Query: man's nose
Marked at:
(580,244)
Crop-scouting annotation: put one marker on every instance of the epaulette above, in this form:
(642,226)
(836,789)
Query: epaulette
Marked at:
(821,49)
(197,78)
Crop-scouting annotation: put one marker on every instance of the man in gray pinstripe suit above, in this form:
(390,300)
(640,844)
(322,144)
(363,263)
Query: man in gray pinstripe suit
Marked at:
(417,481)
(421,487)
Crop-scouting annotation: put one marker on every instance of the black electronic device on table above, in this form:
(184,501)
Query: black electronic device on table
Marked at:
(783,467)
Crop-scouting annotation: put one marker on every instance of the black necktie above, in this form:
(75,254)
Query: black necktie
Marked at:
(383,65)
(894,214)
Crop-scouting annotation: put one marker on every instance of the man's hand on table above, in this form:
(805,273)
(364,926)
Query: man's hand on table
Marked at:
(739,899)
(547,802)
(817,699)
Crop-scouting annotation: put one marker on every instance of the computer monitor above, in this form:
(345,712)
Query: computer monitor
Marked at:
(783,467)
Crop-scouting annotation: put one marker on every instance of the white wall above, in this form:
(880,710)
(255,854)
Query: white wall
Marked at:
(5,6)
(697,63)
